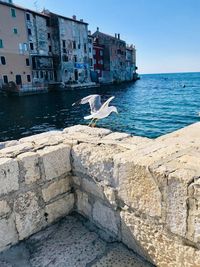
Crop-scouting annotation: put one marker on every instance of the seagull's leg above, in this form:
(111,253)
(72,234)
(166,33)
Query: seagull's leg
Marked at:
(94,124)
(90,124)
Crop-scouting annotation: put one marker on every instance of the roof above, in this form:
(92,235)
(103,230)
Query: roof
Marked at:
(67,18)
(23,9)
(110,36)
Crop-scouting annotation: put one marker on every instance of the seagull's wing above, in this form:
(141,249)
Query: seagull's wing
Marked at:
(106,104)
(93,100)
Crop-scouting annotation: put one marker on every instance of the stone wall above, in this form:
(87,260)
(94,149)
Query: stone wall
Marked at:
(142,192)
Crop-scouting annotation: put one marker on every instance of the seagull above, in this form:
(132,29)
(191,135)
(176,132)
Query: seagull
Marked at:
(97,110)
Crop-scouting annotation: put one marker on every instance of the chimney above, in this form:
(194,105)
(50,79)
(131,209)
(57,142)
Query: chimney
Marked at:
(81,20)
(119,36)
(74,17)
(115,35)
(89,32)
(97,28)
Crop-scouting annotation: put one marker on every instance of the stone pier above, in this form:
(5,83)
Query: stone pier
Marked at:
(144,193)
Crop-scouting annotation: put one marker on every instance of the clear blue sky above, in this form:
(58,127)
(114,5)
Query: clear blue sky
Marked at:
(165,32)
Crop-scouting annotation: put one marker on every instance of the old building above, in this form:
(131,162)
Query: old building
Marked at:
(131,63)
(71,48)
(98,54)
(40,46)
(14,51)
(114,57)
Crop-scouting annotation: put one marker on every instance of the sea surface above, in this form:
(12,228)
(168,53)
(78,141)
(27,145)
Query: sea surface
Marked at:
(152,106)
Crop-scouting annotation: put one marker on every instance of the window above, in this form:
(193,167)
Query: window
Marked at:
(27,62)
(18,79)
(28,78)
(48,35)
(13,12)
(63,43)
(41,74)
(1,43)
(28,17)
(3,60)
(94,52)
(50,49)
(79,46)
(90,50)
(31,46)
(29,32)
(64,50)
(74,44)
(75,58)
(101,53)
(91,62)
(5,79)
(85,48)
(65,58)
(15,30)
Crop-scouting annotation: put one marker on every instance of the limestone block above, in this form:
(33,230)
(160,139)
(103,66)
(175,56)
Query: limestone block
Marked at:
(110,195)
(56,188)
(59,208)
(4,207)
(8,234)
(83,205)
(56,160)
(76,180)
(9,174)
(29,215)
(29,163)
(92,187)
(151,241)
(87,130)
(116,136)
(135,184)
(105,217)
(37,137)
(95,161)
(13,151)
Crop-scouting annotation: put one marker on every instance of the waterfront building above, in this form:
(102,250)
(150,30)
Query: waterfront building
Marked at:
(118,59)
(71,46)
(98,54)
(14,52)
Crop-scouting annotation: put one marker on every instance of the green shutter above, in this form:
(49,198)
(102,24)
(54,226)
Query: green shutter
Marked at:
(1,43)
(13,13)
(15,30)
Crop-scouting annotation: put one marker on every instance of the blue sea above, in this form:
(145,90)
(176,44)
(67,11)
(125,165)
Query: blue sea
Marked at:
(152,106)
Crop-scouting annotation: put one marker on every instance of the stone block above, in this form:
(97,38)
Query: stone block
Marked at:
(95,161)
(14,151)
(9,175)
(135,184)
(98,132)
(92,187)
(59,208)
(105,217)
(29,163)
(56,188)
(76,180)
(56,160)
(37,137)
(8,234)
(29,216)
(4,207)
(151,241)
(83,205)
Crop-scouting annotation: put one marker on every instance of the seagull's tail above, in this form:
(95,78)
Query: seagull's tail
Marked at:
(88,117)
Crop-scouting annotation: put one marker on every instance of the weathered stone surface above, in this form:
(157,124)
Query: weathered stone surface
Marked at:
(56,160)
(8,143)
(135,185)
(116,136)
(13,151)
(9,175)
(76,180)
(95,161)
(83,205)
(92,187)
(105,217)
(87,130)
(37,137)
(8,234)
(55,189)
(4,207)
(110,195)
(156,244)
(59,208)
(29,215)
(29,163)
